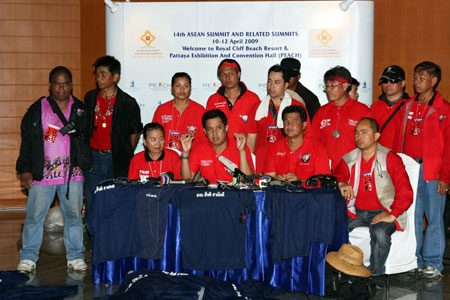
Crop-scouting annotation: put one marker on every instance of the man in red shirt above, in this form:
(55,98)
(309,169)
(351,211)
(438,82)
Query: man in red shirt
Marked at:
(393,84)
(180,115)
(265,124)
(205,156)
(334,123)
(374,181)
(154,160)
(295,157)
(425,136)
(233,97)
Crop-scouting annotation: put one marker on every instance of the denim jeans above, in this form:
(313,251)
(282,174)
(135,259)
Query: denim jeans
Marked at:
(101,171)
(430,249)
(380,238)
(40,197)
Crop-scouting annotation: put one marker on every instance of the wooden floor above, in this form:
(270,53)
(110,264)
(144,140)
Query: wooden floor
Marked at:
(52,270)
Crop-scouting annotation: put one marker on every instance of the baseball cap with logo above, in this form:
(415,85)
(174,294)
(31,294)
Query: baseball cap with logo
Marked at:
(393,72)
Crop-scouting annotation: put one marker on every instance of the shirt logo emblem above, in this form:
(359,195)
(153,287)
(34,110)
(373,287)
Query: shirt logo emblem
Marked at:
(352,122)
(281,154)
(166,118)
(206,163)
(325,123)
(192,130)
(441,118)
(244,118)
(305,157)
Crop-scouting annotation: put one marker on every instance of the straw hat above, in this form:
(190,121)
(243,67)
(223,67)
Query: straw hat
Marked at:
(349,260)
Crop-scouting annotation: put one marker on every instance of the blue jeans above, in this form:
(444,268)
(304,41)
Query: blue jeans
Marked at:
(430,249)
(101,171)
(380,238)
(40,197)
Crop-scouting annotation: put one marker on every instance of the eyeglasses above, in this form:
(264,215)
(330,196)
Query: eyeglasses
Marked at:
(386,80)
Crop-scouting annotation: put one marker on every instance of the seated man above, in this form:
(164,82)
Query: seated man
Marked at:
(205,156)
(154,160)
(374,181)
(295,157)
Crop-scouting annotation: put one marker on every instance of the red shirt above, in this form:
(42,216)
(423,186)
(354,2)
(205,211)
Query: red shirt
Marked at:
(205,158)
(237,117)
(413,143)
(308,160)
(366,199)
(101,134)
(176,124)
(143,167)
(332,118)
(381,111)
(267,133)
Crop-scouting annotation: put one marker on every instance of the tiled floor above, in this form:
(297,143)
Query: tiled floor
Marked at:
(51,268)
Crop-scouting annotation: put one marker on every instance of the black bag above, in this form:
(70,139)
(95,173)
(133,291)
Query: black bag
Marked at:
(344,286)
(321,181)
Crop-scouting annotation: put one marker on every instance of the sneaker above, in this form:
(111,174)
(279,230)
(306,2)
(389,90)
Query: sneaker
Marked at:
(430,272)
(26,265)
(77,264)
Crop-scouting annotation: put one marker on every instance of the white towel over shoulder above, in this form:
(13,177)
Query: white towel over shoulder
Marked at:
(263,109)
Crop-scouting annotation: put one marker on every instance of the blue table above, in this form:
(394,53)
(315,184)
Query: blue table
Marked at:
(305,274)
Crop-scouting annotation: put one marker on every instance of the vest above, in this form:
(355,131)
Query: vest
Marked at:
(383,183)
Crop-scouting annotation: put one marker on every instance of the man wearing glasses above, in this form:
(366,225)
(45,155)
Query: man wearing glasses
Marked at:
(386,110)
(334,123)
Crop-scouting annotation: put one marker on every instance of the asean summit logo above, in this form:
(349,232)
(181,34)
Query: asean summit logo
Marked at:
(324,37)
(148,38)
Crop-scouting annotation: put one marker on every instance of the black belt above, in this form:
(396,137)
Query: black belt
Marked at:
(103,151)
(419,160)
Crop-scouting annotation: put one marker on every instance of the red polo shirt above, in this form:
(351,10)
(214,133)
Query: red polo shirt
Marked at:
(330,118)
(176,124)
(308,160)
(142,166)
(267,133)
(239,114)
(413,143)
(101,134)
(381,111)
(205,158)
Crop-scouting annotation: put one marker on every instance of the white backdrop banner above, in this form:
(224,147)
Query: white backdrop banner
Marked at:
(154,40)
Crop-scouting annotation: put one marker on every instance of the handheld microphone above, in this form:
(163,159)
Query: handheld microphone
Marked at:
(231,165)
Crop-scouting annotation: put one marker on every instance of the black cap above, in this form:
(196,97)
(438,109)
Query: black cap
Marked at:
(291,65)
(393,72)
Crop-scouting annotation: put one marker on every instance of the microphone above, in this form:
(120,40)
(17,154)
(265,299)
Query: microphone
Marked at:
(168,178)
(231,165)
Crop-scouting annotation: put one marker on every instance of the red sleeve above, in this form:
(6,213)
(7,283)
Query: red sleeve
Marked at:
(269,162)
(209,104)
(322,161)
(251,125)
(316,134)
(157,116)
(342,173)
(403,190)
(133,172)
(444,172)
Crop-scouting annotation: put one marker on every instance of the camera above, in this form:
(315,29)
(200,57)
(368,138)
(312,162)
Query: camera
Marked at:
(68,128)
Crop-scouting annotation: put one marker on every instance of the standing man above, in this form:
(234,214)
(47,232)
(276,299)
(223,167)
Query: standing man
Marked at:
(113,127)
(233,97)
(296,157)
(293,66)
(52,151)
(373,180)
(393,85)
(205,156)
(334,123)
(425,136)
(265,123)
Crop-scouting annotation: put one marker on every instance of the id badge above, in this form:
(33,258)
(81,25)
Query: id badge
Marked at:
(271,134)
(174,139)
(51,133)
(416,127)
(367,181)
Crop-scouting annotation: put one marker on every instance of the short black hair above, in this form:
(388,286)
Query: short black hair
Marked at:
(59,70)
(228,60)
(108,61)
(152,126)
(373,124)
(355,82)
(279,69)
(295,109)
(181,75)
(431,68)
(339,71)
(212,114)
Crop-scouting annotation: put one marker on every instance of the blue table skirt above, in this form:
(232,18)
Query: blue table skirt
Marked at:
(304,274)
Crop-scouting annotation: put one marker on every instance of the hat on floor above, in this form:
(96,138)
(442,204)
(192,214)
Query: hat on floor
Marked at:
(349,260)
